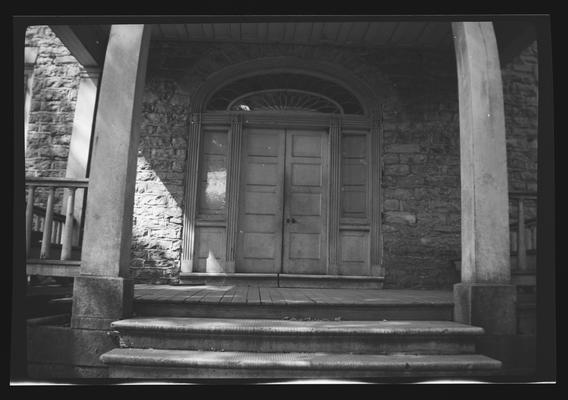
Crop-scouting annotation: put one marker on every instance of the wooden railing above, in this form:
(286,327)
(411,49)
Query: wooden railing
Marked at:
(523,231)
(38,223)
(56,229)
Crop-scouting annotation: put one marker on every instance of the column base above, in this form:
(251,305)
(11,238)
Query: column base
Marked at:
(186,266)
(490,306)
(377,270)
(230,267)
(333,269)
(100,300)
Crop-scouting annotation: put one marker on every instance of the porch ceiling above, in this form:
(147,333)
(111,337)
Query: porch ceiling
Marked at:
(90,40)
(343,33)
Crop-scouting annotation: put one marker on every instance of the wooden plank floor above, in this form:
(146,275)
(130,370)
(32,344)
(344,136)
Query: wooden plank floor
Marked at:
(258,295)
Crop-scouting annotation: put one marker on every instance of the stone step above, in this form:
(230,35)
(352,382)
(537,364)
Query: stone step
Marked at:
(188,364)
(424,310)
(359,337)
(283,280)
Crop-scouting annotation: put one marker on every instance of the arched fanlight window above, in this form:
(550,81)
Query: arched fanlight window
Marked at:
(285,100)
(284,92)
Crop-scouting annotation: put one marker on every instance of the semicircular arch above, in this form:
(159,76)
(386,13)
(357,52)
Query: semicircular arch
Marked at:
(336,74)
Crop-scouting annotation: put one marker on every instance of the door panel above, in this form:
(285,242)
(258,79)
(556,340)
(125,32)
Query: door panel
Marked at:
(306,204)
(306,146)
(261,203)
(210,242)
(304,246)
(283,177)
(305,211)
(259,242)
(354,250)
(259,245)
(263,171)
(305,174)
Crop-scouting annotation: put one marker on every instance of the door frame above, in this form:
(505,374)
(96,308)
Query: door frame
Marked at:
(234,122)
(284,136)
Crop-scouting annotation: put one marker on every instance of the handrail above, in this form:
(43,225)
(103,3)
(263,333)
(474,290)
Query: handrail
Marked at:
(52,219)
(57,182)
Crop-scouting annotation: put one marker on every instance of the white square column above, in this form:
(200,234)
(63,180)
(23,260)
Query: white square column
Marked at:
(485,297)
(80,144)
(103,293)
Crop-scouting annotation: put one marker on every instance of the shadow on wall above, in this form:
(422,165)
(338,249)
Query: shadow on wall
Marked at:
(158,202)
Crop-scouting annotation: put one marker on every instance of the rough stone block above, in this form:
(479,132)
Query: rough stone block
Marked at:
(397,169)
(402,148)
(412,158)
(391,205)
(490,306)
(410,181)
(51,344)
(391,159)
(518,353)
(97,301)
(399,217)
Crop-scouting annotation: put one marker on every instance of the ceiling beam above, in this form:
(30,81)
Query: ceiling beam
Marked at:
(84,42)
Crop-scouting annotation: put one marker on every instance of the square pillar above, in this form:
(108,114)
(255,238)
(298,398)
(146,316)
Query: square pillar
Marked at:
(30,57)
(100,300)
(103,292)
(485,297)
(80,144)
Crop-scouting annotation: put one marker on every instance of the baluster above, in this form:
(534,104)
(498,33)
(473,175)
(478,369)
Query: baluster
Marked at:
(29,218)
(521,237)
(47,226)
(54,229)
(78,231)
(59,231)
(68,229)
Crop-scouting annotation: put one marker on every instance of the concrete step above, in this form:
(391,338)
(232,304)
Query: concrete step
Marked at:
(184,364)
(250,335)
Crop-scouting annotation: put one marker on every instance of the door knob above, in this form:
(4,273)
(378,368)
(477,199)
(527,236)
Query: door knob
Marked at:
(291,220)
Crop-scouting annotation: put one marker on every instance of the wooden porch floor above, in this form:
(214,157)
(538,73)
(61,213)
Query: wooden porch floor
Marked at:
(258,295)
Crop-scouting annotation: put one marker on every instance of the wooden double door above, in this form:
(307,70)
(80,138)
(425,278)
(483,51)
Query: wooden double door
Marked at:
(283,201)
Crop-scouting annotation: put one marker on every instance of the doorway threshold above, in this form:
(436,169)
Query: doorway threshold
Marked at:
(283,280)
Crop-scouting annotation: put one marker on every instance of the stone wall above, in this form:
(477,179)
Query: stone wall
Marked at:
(52,107)
(54,93)
(421,179)
(156,248)
(520,93)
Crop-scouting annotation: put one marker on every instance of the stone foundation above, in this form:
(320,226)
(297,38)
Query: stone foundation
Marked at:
(98,301)
(56,351)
